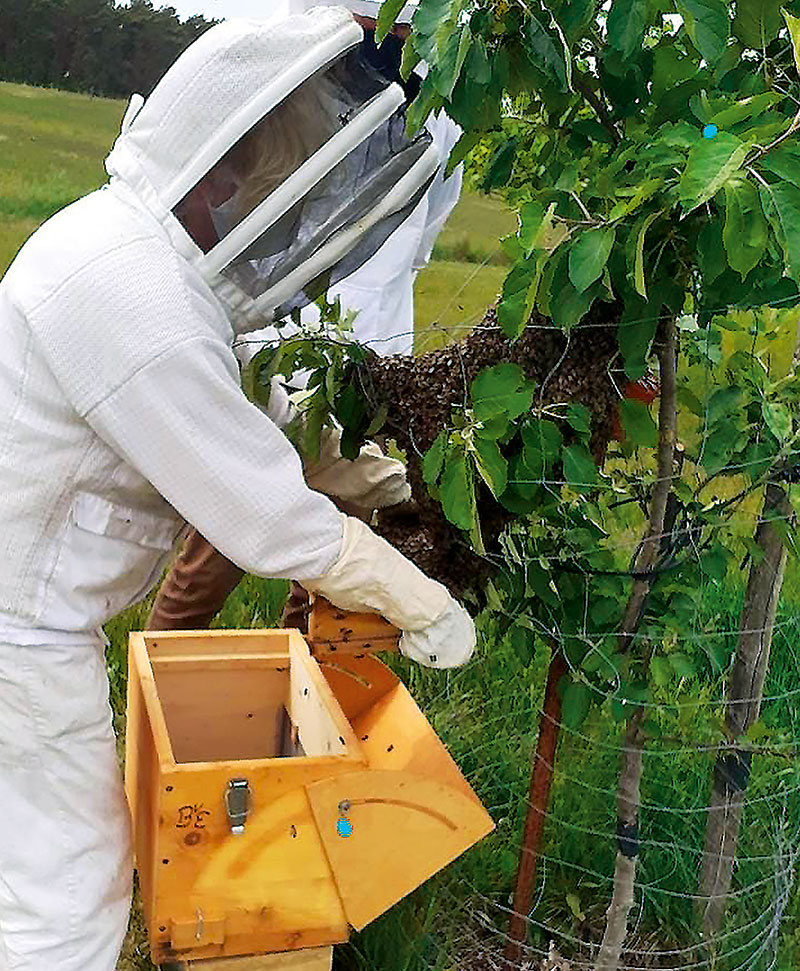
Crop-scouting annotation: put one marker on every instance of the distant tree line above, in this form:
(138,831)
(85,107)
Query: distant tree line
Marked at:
(91,45)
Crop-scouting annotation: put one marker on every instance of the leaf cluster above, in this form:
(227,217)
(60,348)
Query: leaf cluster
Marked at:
(594,119)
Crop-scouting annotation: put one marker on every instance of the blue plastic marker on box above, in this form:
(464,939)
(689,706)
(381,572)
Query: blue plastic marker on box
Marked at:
(344,828)
(710,131)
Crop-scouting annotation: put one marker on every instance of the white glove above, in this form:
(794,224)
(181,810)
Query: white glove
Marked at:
(447,643)
(371,575)
(371,481)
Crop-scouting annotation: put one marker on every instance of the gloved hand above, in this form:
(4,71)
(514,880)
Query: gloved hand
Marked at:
(447,643)
(371,575)
(370,481)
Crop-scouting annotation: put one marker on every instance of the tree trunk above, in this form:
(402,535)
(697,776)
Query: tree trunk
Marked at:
(744,692)
(539,793)
(627,848)
(644,563)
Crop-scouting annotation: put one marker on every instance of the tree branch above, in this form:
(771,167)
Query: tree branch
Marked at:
(582,85)
(648,552)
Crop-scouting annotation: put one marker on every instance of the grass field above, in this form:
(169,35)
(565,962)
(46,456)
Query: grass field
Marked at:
(51,150)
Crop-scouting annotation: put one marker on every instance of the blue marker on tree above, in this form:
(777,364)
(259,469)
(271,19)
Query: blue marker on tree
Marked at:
(710,131)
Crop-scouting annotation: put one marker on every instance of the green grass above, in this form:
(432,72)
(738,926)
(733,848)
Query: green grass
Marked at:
(473,230)
(450,299)
(52,146)
(51,150)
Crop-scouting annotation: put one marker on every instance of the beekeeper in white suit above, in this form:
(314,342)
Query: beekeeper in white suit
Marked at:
(267,159)
(381,291)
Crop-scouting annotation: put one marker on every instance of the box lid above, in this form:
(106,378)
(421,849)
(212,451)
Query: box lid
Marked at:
(402,829)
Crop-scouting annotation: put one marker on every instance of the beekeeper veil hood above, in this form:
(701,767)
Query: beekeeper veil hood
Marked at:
(276,158)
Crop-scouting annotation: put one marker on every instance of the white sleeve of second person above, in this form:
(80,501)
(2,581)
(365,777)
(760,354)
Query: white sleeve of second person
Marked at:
(443,193)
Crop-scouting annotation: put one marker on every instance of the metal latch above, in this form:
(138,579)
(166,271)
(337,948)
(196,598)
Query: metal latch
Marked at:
(237,804)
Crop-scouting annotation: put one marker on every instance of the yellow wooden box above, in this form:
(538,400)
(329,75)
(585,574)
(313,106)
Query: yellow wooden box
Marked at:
(313,749)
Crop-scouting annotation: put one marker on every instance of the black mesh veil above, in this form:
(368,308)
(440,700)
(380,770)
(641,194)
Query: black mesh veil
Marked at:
(335,208)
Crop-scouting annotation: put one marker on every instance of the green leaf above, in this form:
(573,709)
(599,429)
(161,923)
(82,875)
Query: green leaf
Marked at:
(535,227)
(682,665)
(745,233)
(711,163)
(558,298)
(456,491)
(314,415)
(707,24)
(639,263)
(644,191)
(626,24)
(461,149)
(427,101)
(637,423)
(689,399)
(574,904)
(410,59)
(588,256)
(520,288)
(501,390)
(580,419)
(522,644)
(452,60)
(434,459)
(498,172)
(478,66)
(793,23)
(711,251)
(635,337)
(427,19)
(543,53)
(719,446)
(387,15)
(757,22)
(778,419)
(745,109)
(783,161)
(544,435)
(378,421)
(579,468)
(757,731)
(568,306)
(542,441)
(725,404)
(781,203)
(491,465)
(575,704)
(523,490)
(492,428)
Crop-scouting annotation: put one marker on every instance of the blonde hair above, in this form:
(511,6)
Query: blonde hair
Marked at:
(279,144)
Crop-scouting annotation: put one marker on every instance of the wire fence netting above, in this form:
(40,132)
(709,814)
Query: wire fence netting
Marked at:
(489,715)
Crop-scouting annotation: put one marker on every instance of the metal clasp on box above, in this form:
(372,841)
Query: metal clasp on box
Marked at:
(237,804)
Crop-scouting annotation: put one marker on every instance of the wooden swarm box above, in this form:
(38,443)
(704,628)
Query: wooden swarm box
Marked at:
(223,721)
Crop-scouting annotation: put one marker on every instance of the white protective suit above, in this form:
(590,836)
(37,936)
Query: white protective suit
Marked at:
(122,417)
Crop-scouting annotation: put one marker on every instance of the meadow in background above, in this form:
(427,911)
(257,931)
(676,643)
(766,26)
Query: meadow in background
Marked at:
(51,149)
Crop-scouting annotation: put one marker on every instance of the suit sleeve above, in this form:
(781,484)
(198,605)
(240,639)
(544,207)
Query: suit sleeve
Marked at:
(184,423)
(145,359)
